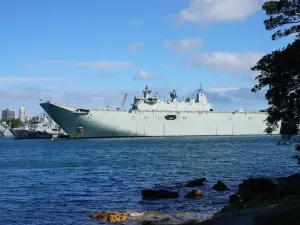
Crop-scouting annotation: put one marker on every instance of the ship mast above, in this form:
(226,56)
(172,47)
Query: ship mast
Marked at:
(146,92)
(173,95)
(199,92)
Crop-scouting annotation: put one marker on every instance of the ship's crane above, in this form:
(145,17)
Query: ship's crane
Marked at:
(118,107)
(125,96)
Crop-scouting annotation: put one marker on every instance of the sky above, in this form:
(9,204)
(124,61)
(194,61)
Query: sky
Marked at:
(90,53)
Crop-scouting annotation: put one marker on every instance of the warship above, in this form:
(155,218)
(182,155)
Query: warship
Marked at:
(40,127)
(149,116)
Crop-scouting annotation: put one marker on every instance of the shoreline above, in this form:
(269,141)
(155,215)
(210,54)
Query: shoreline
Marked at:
(258,201)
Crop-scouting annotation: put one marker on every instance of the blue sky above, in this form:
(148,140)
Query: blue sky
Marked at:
(90,53)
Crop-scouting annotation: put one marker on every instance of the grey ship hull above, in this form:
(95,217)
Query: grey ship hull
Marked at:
(26,134)
(96,123)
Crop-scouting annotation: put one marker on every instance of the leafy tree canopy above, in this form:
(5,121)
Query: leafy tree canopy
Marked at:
(14,123)
(279,71)
(283,13)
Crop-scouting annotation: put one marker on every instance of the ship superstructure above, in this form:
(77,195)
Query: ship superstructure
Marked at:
(40,127)
(150,116)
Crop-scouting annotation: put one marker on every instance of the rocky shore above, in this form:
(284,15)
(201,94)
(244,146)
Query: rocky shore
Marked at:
(258,201)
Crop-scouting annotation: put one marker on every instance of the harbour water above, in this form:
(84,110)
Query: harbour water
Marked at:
(63,181)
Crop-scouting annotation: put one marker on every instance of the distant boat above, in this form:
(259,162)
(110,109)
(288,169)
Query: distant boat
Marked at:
(41,127)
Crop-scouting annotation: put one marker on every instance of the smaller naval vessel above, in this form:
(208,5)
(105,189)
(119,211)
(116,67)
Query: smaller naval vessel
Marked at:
(39,128)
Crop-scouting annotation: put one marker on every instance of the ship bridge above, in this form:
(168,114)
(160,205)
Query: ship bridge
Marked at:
(147,102)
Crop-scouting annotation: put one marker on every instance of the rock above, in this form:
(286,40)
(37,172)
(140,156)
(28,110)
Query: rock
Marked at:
(217,214)
(193,183)
(260,196)
(291,185)
(109,216)
(190,222)
(235,198)
(116,218)
(293,179)
(150,194)
(220,186)
(194,194)
(258,186)
(100,215)
(156,222)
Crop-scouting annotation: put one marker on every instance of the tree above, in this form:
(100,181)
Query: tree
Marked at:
(14,123)
(281,13)
(279,71)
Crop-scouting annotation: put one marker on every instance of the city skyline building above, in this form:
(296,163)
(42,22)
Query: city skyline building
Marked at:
(8,114)
(22,114)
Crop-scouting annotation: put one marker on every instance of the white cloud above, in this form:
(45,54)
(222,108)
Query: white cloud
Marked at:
(106,64)
(14,79)
(136,45)
(223,90)
(208,11)
(141,74)
(226,61)
(40,68)
(191,44)
(228,98)
(49,65)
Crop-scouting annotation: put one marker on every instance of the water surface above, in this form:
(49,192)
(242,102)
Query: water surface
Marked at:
(63,181)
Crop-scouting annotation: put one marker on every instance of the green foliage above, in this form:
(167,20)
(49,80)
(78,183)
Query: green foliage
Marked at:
(283,13)
(35,119)
(14,123)
(280,70)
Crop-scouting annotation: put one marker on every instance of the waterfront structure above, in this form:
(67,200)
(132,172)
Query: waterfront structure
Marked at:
(8,114)
(22,114)
(149,116)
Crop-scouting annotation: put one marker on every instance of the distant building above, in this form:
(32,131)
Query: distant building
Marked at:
(22,114)
(8,114)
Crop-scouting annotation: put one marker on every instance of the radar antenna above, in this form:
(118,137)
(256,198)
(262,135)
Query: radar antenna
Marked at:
(146,92)
(173,95)
(200,91)
(200,88)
